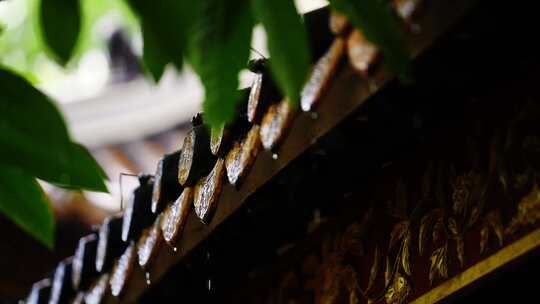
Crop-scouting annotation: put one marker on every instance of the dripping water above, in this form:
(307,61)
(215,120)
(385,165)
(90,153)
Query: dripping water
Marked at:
(147,274)
(274,156)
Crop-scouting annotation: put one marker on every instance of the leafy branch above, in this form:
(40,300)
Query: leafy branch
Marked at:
(35,143)
(213,36)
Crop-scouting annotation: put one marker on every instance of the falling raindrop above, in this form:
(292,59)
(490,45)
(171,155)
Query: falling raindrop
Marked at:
(274,156)
(147,278)
(175,249)
(209,284)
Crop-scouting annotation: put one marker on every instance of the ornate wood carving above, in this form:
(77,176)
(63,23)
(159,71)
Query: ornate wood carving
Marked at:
(479,199)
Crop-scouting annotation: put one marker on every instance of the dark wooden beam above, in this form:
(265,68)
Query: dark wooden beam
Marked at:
(346,93)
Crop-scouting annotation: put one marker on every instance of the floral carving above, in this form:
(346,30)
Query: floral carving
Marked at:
(401,233)
(467,201)
(448,206)
(374,269)
(333,278)
(492,222)
(439,263)
(462,192)
(528,211)
(399,290)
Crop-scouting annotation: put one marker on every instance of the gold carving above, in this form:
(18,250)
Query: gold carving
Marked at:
(398,233)
(439,263)
(334,279)
(401,231)
(482,268)
(406,257)
(374,269)
(438,229)
(492,221)
(528,211)
(448,206)
(387,272)
(398,292)
(426,225)
(351,240)
(462,192)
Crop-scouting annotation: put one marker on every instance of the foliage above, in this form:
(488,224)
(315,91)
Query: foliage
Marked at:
(23,201)
(287,43)
(25,49)
(36,143)
(219,50)
(164,25)
(61,36)
(213,36)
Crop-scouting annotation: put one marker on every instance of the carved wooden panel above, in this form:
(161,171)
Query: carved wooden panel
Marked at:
(435,222)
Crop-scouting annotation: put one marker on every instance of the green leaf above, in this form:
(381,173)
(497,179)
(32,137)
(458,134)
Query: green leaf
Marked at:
(33,137)
(219,50)
(154,58)
(81,172)
(380,25)
(23,201)
(60,24)
(164,24)
(287,44)
(30,124)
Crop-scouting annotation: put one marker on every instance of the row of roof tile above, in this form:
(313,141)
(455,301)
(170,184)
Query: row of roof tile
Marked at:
(158,208)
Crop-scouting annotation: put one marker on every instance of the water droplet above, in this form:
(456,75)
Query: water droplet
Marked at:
(274,156)
(175,249)
(147,278)
(314,115)
(209,284)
